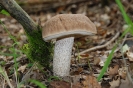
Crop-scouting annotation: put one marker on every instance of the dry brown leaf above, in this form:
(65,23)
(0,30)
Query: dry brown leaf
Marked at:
(59,84)
(115,82)
(32,73)
(77,85)
(9,58)
(75,79)
(84,55)
(63,84)
(113,70)
(77,71)
(22,68)
(122,72)
(96,61)
(101,31)
(130,55)
(90,82)
(60,9)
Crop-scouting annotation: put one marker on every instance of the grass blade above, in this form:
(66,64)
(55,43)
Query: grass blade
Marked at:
(106,63)
(38,83)
(125,16)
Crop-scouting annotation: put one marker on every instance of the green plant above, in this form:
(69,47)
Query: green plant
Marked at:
(5,12)
(53,78)
(4,74)
(129,29)
(38,83)
(37,50)
(12,49)
(2,11)
(14,53)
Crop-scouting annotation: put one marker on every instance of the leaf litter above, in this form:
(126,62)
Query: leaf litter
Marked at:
(85,66)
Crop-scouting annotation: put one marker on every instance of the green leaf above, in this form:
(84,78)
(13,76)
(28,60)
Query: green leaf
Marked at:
(4,12)
(53,77)
(8,54)
(38,83)
(125,16)
(106,63)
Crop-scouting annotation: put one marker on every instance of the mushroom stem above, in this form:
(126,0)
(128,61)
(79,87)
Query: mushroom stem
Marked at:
(62,56)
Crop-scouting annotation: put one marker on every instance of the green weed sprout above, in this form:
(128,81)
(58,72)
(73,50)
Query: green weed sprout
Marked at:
(38,83)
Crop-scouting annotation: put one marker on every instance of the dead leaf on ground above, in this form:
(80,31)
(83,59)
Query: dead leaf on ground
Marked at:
(63,84)
(22,68)
(96,61)
(115,82)
(99,60)
(130,55)
(113,70)
(75,79)
(77,71)
(122,72)
(101,31)
(90,82)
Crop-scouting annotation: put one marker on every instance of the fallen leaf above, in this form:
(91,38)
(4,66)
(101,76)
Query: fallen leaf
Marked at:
(101,31)
(63,84)
(122,72)
(77,71)
(60,9)
(130,55)
(59,84)
(96,61)
(22,68)
(75,79)
(90,82)
(113,70)
(115,82)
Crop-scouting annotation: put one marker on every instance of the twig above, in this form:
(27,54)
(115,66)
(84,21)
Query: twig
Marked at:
(101,46)
(129,38)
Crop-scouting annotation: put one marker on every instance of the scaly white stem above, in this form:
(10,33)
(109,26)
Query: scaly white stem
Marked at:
(62,56)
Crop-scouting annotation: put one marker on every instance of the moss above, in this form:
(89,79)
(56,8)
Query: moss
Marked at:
(37,49)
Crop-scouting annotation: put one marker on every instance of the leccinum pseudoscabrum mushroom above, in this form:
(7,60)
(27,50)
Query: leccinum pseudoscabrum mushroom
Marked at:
(64,28)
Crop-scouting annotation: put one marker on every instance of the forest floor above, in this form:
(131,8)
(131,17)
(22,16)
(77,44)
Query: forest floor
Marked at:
(93,50)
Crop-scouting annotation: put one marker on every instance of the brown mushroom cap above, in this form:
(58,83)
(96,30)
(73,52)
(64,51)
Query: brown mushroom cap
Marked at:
(65,25)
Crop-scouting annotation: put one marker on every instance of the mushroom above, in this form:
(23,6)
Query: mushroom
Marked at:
(64,28)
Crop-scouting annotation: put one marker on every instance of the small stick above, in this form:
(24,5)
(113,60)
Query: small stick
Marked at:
(101,46)
(129,38)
